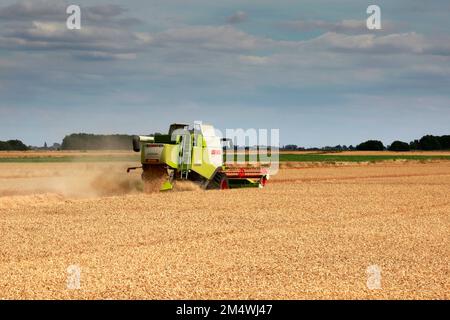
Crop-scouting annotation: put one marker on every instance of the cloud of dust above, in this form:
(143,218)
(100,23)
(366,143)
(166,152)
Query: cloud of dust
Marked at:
(38,183)
(187,185)
(74,180)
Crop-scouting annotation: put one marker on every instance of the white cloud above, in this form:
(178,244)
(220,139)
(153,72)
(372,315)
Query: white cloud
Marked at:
(411,42)
(96,55)
(55,10)
(349,26)
(47,35)
(342,26)
(222,38)
(30,9)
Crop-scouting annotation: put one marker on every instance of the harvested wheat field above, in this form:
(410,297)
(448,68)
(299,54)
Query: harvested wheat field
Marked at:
(312,233)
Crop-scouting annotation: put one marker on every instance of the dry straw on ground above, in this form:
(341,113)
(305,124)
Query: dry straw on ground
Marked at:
(312,233)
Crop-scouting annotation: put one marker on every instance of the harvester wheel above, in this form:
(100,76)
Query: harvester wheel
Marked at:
(219,181)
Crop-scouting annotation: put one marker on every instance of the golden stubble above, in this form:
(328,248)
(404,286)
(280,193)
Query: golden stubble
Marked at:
(312,233)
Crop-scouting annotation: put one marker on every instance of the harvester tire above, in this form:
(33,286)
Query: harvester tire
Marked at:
(219,181)
(224,183)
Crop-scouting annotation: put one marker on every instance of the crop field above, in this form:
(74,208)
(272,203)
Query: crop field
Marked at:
(318,230)
(284,156)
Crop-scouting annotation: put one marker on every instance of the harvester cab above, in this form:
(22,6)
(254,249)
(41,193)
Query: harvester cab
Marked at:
(192,153)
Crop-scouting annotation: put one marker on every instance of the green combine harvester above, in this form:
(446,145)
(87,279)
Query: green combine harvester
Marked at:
(195,154)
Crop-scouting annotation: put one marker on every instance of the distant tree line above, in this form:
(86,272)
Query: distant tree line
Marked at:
(13,145)
(374,145)
(293,147)
(430,142)
(427,143)
(85,141)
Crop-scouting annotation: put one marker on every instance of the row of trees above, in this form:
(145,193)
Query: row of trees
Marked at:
(13,145)
(428,142)
(84,141)
(294,147)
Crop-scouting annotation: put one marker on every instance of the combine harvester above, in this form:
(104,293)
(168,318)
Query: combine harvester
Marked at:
(195,154)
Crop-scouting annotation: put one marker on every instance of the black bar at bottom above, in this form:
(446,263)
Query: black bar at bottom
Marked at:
(225,309)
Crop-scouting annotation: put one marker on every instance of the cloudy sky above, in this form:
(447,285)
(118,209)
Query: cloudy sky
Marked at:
(310,68)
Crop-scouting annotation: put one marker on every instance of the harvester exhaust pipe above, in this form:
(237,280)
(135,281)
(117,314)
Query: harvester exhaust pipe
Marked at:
(138,139)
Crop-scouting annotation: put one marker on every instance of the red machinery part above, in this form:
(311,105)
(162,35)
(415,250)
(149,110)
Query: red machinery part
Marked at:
(224,184)
(263,181)
(242,173)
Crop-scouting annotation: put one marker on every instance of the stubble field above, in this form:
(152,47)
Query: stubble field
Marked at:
(312,233)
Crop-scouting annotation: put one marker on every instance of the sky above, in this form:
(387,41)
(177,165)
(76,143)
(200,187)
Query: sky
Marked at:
(310,68)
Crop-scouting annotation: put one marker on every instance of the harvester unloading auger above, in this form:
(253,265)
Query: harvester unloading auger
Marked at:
(194,154)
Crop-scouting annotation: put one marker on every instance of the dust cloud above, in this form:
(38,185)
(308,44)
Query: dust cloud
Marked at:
(69,180)
(41,182)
